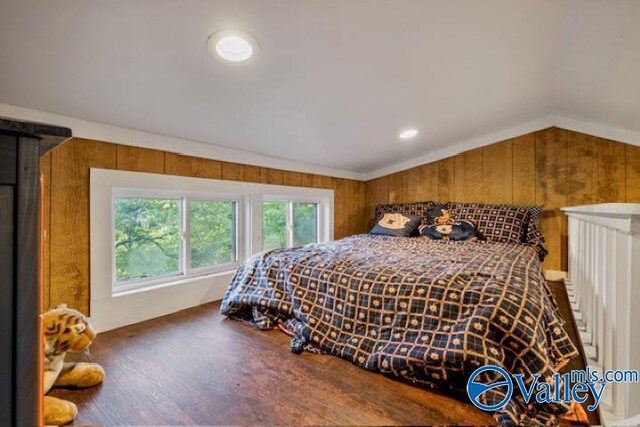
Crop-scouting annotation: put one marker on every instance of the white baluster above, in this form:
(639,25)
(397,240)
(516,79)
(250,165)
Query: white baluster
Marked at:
(604,264)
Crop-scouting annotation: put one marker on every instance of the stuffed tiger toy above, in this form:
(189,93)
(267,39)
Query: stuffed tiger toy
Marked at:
(66,330)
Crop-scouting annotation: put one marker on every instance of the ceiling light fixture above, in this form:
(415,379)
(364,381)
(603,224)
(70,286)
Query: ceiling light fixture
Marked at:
(232,46)
(408,134)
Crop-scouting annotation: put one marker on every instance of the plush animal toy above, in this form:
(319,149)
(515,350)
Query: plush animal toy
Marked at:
(447,229)
(66,330)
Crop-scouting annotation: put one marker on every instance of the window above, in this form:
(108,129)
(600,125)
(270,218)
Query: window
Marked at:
(147,238)
(167,234)
(212,233)
(288,223)
(156,238)
(274,225)
(305,223)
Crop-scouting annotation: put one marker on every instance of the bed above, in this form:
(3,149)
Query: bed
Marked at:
(421,310)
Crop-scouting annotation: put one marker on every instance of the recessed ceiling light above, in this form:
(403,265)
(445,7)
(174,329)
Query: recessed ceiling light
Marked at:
(408,134)
(232,46)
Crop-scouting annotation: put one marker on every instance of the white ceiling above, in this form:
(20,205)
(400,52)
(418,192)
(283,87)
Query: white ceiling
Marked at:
(335,80)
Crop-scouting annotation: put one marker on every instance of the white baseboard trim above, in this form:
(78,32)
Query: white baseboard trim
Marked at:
(117,311)
(555,275)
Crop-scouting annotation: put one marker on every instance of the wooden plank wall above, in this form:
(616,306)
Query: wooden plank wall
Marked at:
(554,167)
(66,203)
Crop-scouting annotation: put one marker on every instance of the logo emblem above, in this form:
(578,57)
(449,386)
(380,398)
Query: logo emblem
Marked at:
(477,389)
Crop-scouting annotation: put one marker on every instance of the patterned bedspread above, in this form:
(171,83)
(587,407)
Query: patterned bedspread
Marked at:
(423,310)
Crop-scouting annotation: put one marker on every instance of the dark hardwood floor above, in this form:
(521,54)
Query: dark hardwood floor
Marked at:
(196,367)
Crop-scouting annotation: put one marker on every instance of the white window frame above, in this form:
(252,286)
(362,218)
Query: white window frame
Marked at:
(290,201)
(111,308)
(184,265)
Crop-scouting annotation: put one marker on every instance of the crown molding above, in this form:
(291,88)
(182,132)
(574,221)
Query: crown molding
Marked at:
(119,135)
(455,149)
(599,129)
(591,128)
(93,130)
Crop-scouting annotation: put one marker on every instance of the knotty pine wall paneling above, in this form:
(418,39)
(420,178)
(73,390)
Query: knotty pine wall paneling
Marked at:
(554,167)
(66,183)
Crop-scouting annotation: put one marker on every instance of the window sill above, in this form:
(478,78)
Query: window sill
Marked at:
(176,281)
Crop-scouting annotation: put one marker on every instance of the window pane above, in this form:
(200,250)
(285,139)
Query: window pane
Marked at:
(147,237)
(305,223)
(213,233)
(274,222)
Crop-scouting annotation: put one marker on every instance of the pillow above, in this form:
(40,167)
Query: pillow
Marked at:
(396,224)
(452,230)
(534,236)
(420,209)
(498,223)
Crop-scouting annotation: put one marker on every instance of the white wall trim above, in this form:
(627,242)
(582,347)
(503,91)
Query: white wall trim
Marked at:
(452,150)
(599,129)
(555,275)
(596,129)
(93,130)
(119,135)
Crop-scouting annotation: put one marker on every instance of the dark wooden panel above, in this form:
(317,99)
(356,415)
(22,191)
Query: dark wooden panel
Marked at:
(632,170)
(271,176)
(497,173)
(322,181)
(138,159)
(582,169)
(232,171)
(551,191)
(468,185)
(6,303)
(178,164)
(27,292)
(340,200)
(398,187)
(427,179)
(292,178)
(69,257)
(611,171)
(376,192)
(45,239)
(446,179)
(524,169)
(252,173)
(8,154)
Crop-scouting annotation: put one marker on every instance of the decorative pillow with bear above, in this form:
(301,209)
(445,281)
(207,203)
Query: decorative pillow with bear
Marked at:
(447,229)
(396,224)
(420,209)
(498,223)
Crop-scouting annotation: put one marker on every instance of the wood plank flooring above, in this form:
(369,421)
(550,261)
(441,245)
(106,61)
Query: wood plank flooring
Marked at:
(196,367)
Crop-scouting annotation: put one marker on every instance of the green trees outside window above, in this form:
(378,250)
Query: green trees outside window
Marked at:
(305,223)
(163,236)
(213,229)
(148,240)
(147,237)
(274,224)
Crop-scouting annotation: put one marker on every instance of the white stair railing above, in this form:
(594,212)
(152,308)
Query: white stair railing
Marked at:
(604,291)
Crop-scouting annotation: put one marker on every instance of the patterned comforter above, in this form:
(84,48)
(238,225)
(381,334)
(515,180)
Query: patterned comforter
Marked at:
(423,310)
